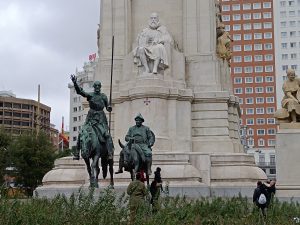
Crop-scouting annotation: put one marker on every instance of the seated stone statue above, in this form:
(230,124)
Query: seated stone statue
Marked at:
(151,50)
(290,102)
(223,43)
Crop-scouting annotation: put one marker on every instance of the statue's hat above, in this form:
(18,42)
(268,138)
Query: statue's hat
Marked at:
(139,116)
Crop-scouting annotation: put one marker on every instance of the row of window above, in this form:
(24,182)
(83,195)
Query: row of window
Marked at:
(77,109)
(261,142)
(247,26)
(250,131)
(247,6)
(290,44)
(289,3)
(16,123)
(248,37)
(259,100)
(249,47)
(257,58)
(251,121)
(249,90)
(15,105)
(249,80)
(292,23)
(285,67)
(286,56)
(15,114)
(249,16)
(255,26)
(290,13)
(249,69)
(259,111)
(290,34)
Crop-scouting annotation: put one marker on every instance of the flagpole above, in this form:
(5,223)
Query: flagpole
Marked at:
(111,79)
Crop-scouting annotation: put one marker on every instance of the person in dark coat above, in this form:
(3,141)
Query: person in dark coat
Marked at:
(260,189)
(155,188)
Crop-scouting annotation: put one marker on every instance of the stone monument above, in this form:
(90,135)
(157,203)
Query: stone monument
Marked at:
(168,70)
(287,140)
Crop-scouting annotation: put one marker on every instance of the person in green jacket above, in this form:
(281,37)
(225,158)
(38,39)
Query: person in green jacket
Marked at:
(137,192)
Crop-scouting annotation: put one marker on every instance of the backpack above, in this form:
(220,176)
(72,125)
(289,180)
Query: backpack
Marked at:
(262,199)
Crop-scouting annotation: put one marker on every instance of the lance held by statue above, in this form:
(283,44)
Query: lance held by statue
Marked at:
(94,140)
(136,155)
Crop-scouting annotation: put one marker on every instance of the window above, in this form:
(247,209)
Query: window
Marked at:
(258,58)
(226,17)
(267,5)
(259,79)
(247,47)
(269,57)
(292,13)
(237,59)
(249,100)
(257,26)
(237,80)
(282,14)
(293,34)
(257,36)
(247,26)
(247,16)
(247,37)
(250,142)
(259,90)
(283,34)
(225,8)
(282,24)
(267,25)
(248,80)
(237,48)
(248,69)
(260,111)
(284,45)
(256,5)
(257,47)
(294,67)
(268,46)
(267,15)
(75,109)
(293,44)
(236,7)
(250,121)
(284,56)
(272,142)
(256,16)
(237,70)
(240,101)
(268,69)
(236,27)
(292,23)
(261,142)
(293,56)
(249,90)
(247,6)
(271,121)
(285,67)
(260,100)
(269,79)
(227,27)
(270,89)
(260,121)
(75,99)
(260,131)
(291,3)
(268,35)
(270,110)
(237,37)
(271,131)
(259,69)
(282,3)
(249,111)
(238,91)
(74,138)
(236,17)
(248,58)
(250,132)
(74,119)
(74,128)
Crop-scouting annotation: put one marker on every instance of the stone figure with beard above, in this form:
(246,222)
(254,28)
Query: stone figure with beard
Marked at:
(151,51)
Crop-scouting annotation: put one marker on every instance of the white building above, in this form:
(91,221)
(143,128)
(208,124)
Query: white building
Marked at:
(78,113)
(287,40)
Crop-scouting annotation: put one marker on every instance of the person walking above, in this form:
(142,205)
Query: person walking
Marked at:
(155,188)
(260,197)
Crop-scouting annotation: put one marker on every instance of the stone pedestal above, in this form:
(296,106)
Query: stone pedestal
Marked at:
(287,161)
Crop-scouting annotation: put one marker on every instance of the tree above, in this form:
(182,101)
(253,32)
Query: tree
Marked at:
(5,141)
(33,156)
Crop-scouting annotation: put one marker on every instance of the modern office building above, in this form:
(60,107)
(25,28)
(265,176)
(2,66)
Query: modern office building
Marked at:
(250,24)
(78,109)
(287,39)
(18,115)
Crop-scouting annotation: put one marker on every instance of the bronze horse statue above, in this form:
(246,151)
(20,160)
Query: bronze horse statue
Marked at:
(135,161)
(93,149)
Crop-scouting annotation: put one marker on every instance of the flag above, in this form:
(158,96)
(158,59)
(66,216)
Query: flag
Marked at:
(92,57)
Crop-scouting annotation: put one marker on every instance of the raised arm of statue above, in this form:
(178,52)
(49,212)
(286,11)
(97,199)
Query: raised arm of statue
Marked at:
(78,89)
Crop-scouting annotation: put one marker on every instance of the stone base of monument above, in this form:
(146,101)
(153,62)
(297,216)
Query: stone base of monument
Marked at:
(287,161)
(192,175)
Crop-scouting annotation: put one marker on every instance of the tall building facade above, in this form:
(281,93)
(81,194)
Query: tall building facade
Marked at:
(250,24)
(18,115)
(78,111)
(287,39)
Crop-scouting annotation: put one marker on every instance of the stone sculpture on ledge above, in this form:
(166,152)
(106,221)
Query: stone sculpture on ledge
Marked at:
(290,111)
(151,51)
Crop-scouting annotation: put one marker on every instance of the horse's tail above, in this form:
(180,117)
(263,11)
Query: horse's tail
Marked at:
(104,165)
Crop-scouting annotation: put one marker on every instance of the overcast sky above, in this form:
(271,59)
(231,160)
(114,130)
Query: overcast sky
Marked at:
(42,42)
